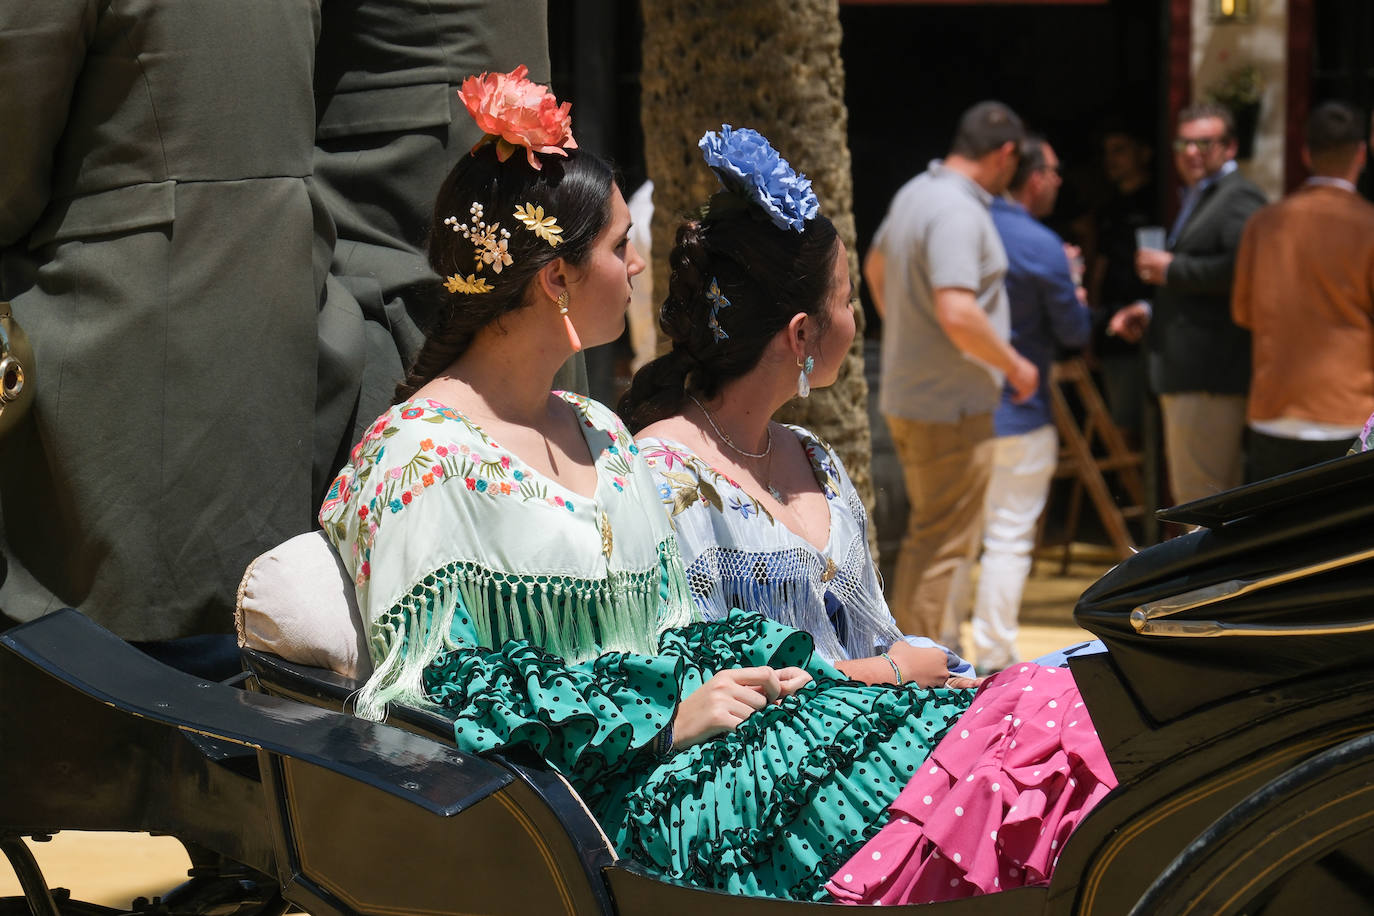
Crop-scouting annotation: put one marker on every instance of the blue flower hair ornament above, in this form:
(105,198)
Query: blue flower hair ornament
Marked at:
(746,164)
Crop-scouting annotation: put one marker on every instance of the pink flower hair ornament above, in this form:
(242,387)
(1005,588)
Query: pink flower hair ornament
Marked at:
(516,112)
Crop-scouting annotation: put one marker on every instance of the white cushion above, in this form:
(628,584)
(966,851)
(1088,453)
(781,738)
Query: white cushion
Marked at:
(297,601)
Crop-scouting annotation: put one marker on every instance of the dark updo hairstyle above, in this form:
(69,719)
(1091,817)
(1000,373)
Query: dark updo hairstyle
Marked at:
(768,274)
(576,191)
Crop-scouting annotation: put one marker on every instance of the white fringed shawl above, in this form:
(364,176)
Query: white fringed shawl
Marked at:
(435,521)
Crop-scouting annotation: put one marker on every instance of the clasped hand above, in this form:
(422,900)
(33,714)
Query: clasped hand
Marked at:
(928,667)
(732,696)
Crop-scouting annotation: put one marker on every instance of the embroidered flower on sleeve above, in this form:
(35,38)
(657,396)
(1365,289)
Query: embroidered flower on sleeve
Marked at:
(823,467)
(337,495)
(667,453)
(743,506)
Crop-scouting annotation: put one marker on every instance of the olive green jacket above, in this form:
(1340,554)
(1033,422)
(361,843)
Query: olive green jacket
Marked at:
(162,247)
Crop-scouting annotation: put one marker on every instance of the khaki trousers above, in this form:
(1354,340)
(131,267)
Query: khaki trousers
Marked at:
(1204,442)
(946,467)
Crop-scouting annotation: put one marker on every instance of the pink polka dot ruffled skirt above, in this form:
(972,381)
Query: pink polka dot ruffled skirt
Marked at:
(991,808)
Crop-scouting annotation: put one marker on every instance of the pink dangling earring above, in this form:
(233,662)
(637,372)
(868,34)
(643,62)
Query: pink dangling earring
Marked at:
(567,322)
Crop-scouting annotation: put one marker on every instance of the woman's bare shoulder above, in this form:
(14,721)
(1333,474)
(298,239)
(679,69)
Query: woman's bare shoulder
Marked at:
(676,428)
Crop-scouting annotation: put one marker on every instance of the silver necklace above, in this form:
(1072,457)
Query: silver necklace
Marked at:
(727,440)
(766,453)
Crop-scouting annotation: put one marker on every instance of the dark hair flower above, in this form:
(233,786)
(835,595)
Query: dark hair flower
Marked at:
(747,164)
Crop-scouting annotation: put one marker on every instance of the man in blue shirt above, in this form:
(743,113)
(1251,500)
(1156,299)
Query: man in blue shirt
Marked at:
(1047,313)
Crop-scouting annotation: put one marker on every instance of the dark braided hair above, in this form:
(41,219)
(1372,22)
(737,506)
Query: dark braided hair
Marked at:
(768,274)
(576,191)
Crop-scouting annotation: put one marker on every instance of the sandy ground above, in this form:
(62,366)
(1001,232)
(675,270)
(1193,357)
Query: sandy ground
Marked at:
(114,868)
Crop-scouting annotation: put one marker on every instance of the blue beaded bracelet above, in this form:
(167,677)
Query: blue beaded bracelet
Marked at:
(663,744)
(895,670)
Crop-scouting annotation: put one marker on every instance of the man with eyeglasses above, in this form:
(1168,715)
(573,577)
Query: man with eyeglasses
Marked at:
(1199,360)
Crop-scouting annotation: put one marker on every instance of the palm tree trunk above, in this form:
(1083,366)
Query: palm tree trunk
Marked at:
(773,65)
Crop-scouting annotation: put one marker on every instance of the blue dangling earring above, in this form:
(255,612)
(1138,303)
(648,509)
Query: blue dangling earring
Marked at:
(804,377)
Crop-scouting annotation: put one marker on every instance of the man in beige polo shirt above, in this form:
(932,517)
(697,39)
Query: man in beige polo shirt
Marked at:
(935,273)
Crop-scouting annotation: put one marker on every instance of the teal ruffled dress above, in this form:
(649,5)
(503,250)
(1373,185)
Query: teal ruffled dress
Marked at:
(534,615)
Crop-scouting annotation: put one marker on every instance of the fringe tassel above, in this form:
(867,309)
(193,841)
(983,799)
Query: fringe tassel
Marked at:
(786,586)
(678,608)
(572,618)
(399,677)
(787,602)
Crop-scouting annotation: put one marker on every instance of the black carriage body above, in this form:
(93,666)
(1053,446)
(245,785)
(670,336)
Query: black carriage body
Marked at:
(1239,666)
(1245,778)
(346,816)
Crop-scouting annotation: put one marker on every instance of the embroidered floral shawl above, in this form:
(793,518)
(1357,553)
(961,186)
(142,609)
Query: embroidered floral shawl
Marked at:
(432,514)
(737,555)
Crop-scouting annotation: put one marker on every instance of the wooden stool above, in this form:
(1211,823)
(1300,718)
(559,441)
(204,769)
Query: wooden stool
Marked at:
(1077,445)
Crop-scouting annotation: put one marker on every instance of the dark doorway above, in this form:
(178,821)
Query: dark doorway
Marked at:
(594,58)
(594,53)
(1343,60)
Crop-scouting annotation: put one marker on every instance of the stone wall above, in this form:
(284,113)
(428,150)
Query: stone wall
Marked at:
(1217,49)
(773,65)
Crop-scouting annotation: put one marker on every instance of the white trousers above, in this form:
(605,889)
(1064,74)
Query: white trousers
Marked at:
(1023,467)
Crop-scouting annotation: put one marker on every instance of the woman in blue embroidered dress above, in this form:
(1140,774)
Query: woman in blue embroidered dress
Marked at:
(766,516)
(767,520)
(518,573)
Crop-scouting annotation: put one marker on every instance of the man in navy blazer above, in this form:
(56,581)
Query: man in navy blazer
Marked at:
(1199,360)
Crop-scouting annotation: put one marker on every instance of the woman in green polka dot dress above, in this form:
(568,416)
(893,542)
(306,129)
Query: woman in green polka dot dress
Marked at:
(519,574)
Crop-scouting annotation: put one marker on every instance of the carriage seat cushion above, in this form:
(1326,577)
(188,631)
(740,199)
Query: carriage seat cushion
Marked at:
(297,601)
